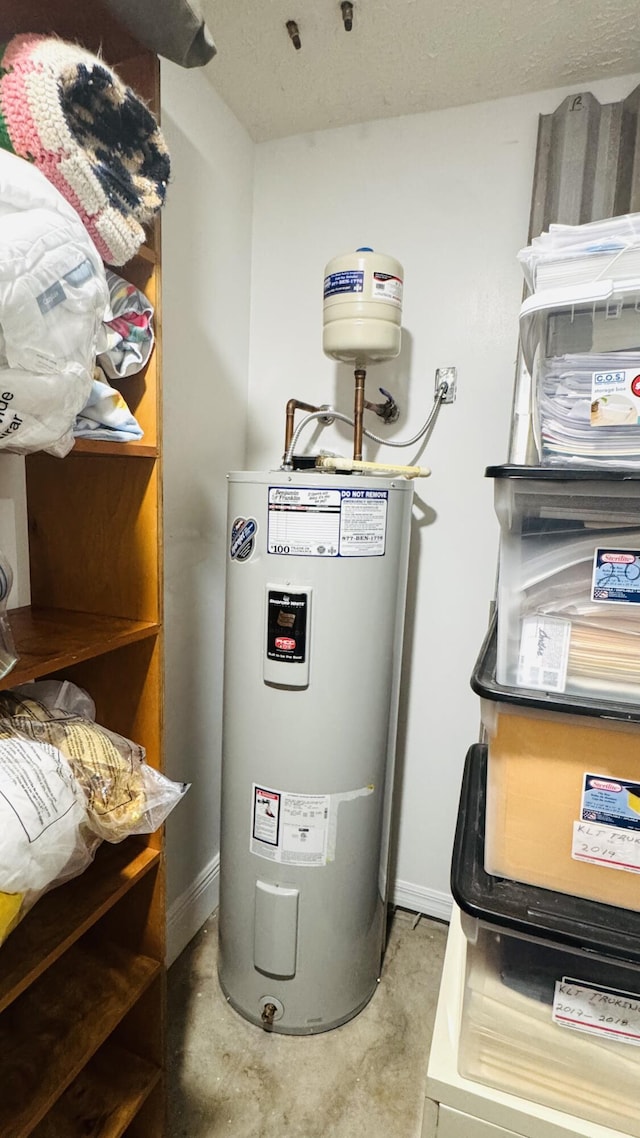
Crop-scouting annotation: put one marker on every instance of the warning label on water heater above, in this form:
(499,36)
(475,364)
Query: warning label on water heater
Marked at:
(314,522)
(288,827)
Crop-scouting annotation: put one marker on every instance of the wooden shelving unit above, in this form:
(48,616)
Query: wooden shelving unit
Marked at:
(82,987)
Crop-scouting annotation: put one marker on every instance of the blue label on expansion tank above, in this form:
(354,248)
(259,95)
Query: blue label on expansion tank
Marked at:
(351,280)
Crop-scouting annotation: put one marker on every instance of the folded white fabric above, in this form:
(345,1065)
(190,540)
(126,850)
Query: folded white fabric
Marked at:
(53,299)
(105,415)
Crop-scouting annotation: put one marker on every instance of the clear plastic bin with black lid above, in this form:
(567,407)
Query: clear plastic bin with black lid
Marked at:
(551,1006)
(581,345)
(569,581)
(563,788)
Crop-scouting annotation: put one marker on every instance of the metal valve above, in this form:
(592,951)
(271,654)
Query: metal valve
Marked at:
(387,411)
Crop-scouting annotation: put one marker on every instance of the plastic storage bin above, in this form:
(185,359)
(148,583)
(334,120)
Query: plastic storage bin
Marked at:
(569,581)
(563,790)
(551,1007)
(582,348)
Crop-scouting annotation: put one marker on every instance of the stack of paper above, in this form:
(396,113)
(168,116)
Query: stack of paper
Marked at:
(574,423)
(575,254)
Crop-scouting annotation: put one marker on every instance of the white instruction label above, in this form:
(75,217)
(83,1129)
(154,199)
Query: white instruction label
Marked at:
(288,827)
(606,845)
(315,522)
(597,1010)
(386,286)
(37,784)
(544,653)
(363,523)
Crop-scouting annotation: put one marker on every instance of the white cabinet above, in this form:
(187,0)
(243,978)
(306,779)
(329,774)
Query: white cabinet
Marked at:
(454,1124)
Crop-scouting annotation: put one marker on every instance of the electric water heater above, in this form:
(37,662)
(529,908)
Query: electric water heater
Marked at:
(316,583)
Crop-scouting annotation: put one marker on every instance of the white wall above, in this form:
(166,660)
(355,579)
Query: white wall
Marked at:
(206,278)
(447,193)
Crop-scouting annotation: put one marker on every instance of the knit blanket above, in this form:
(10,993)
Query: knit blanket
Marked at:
(63,109)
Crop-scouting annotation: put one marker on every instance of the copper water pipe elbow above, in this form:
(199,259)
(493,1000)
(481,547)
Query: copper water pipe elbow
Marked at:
(292,406)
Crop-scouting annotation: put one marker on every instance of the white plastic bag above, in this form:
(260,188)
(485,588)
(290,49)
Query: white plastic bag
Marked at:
(53,297)
(65,785)
(123,795)
(41,815)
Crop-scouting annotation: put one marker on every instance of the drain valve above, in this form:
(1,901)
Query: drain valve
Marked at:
(268,1013)
(271,1009)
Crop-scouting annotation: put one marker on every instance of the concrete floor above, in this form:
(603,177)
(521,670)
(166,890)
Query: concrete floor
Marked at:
(366,1078)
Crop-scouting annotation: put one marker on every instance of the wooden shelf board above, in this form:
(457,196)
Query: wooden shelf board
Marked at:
(59,1023)
(62,916)
(131,450)
(103,1099)
(50,639)
(146,253)
(89,25)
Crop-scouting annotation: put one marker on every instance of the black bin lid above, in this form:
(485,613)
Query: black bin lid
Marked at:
(518,908)
(484,683)
(563,473)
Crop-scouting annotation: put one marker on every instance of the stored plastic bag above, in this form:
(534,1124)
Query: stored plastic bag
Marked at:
(123,794)
(8,653)
(66,784)
(44,836)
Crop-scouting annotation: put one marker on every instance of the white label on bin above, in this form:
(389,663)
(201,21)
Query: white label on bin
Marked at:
(597,1010)
(610,800)
(608,846)
(544,653)
(616,576)
(615,398)
(289,828)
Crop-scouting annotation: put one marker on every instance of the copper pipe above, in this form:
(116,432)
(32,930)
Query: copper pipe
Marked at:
(358,412)
(292,406)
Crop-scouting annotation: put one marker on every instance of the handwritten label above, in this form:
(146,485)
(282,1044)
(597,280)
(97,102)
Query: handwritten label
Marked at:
(606,845)
(597,1010)
(544,653)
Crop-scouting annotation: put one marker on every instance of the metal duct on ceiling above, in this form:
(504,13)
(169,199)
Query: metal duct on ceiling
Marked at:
(587,167)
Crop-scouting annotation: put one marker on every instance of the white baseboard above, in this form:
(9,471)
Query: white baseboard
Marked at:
(187,914)
(431,902)
(191,909)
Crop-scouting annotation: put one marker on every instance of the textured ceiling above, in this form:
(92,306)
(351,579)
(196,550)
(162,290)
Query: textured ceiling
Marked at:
(404,56)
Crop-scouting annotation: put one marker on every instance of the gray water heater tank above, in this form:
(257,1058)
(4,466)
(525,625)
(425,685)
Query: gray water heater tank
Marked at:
(316,584)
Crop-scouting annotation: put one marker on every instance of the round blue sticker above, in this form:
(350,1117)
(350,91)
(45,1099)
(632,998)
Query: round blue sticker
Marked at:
(243,532)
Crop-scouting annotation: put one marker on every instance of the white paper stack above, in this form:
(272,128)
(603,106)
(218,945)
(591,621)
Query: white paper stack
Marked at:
(576,254)
(573,425)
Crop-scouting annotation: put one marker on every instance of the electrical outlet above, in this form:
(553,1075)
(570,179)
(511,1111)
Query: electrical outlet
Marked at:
(448,375)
